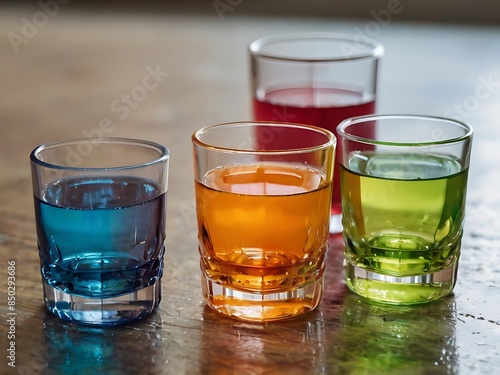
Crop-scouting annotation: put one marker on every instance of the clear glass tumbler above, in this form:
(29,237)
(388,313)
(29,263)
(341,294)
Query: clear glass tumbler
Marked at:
(317,79)
(263,216)
(100,215)
(403,200)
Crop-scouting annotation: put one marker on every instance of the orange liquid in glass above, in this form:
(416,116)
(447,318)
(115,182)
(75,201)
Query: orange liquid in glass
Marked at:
(263,230)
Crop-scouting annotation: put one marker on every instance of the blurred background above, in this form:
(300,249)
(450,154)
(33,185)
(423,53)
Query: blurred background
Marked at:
(73,68)
(478,11)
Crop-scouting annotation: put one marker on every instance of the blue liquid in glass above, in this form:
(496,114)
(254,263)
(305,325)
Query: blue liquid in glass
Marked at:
(101,237)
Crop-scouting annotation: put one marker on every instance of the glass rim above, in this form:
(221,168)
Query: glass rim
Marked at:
(331,138)
(341,129)
(375,50)
(162,151)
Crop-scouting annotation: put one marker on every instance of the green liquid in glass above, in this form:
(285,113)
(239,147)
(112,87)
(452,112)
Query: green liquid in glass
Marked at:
(402,217)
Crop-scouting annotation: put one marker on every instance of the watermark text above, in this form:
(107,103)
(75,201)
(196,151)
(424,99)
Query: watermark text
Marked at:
(122,107)
(11,315)
(32,25)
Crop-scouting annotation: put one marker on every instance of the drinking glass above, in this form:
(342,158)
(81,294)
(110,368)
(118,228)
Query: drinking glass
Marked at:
(317,79)
(263,216)
(100,216)
(403,199)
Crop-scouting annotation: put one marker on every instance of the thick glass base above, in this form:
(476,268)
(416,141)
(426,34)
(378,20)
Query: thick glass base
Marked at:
(102,312)
(407,290)
(257,307)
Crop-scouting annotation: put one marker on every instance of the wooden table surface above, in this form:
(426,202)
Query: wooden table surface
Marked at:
(63,78)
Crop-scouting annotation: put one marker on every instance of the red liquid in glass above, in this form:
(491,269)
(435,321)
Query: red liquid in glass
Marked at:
(323,107)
